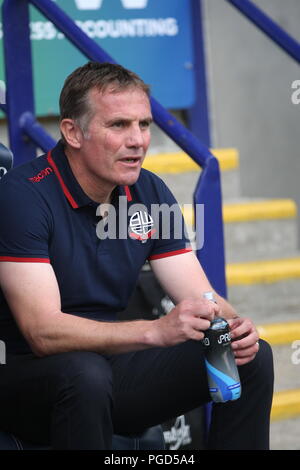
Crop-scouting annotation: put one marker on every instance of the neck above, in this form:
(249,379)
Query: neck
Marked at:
(99,192)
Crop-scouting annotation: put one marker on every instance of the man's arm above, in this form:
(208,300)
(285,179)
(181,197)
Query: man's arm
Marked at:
(32,293)
(182,277)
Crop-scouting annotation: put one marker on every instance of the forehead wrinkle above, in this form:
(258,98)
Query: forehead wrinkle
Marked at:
(118,110)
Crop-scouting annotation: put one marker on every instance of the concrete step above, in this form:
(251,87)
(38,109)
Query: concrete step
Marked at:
(284,435)
(263,272)
(286,401)
(267,291)
(181,173)
(285,414)
(281,334)
(257,228)
(284,338)
(260,229)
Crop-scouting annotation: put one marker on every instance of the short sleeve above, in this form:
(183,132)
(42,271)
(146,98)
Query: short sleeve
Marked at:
(24,223)
(172,238)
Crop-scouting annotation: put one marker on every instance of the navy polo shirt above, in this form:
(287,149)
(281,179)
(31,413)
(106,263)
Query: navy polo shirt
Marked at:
(47,218)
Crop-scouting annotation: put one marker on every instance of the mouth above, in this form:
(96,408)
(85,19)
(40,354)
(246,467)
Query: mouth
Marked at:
(133,161)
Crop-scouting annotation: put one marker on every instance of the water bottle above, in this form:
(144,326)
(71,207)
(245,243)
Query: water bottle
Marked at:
(223,377)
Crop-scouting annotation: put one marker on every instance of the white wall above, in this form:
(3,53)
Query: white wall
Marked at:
(250,91)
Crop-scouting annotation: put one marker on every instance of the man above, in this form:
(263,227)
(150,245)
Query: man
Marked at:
(74,375)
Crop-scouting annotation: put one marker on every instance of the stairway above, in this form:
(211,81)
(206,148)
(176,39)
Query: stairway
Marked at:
(262,271)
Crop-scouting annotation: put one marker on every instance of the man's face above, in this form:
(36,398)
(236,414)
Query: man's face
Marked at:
(118,136)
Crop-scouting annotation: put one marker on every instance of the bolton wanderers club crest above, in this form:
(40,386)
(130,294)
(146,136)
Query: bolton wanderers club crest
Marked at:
(141,226)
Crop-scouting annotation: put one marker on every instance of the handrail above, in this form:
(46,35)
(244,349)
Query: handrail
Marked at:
(268,26)
(36,132)
(21,119)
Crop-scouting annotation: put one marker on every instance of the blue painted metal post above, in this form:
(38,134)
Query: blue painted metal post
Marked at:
(212,257)
(198,115)
(37,133)
(18,75)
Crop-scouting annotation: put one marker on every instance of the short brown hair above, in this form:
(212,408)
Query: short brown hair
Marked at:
(73,101)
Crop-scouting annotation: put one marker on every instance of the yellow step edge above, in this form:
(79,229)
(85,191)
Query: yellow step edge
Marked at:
(252,210)
(266,272)
(286,404)
(180,162)
(255,210)
(280,333)
(259,210)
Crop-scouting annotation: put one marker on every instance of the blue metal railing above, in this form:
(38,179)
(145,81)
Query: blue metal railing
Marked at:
(25,133)
(268,26)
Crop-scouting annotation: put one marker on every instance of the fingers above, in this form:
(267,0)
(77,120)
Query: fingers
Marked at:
(206,309)
(198,308)
(248,340)
(187,320)
(241,329)
(194,318)
(245,355)
(244,340)
(199,325)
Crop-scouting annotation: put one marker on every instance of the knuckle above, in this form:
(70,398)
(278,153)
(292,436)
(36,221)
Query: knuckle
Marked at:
(185,307)
(198,335)
(205,324)
(185,303)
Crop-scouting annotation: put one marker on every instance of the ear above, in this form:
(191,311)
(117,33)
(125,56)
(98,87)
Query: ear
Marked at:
(72,133)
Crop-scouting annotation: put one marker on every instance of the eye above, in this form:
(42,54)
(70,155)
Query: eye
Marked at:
(118,124)
(145,124)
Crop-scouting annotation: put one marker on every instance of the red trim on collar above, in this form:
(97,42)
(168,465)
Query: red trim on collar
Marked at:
(128,193)
(64,187)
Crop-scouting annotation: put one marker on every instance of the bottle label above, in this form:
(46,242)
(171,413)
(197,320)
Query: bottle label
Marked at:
(222,387)
(222,373)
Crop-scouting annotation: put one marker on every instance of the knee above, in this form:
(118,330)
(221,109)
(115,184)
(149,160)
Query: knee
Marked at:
(261,368)
(84,374)
(264,358)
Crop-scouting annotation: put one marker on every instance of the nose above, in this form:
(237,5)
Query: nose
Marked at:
(135,137)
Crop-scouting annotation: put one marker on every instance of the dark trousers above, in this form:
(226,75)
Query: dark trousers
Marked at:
(77,400)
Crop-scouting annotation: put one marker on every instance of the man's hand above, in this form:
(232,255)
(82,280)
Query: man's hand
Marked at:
(186,321)
(245,338)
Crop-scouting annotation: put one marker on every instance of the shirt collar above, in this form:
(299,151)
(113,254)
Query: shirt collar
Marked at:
(72,190)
